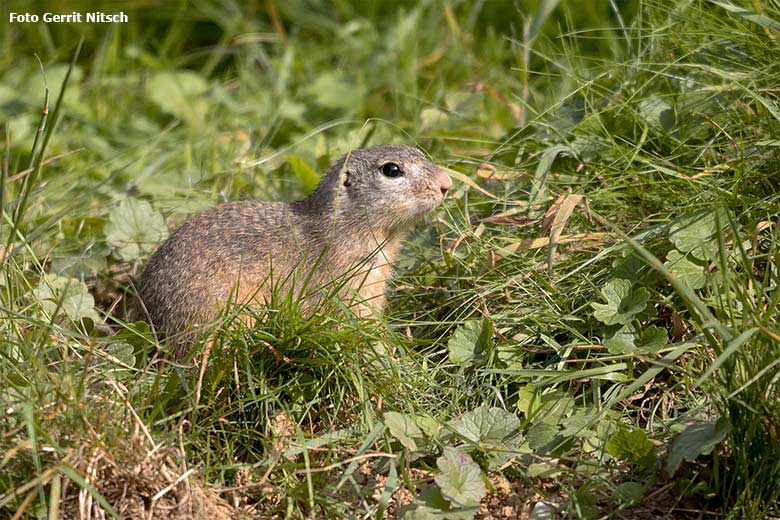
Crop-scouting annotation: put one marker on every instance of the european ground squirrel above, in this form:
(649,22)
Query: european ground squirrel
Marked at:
(347,232)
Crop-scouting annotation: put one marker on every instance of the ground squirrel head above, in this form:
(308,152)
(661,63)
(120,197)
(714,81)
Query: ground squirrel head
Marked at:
(389,187)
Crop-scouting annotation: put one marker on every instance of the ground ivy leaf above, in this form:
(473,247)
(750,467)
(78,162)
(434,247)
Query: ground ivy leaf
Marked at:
(420,512)
(179,93)
(433,118)
(632,446)
(486,426)
(403,428)
(652,339)
(626,341)
(624,301)
(697,439)
(69,294)
(687,271)
(469,341)
(543,511)
(460,479)
(542,470)
(540,435)
(134,229)
(622,342)
(696,233)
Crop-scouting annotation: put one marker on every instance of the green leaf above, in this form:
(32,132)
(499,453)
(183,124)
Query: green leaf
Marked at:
(541,435)
(470,341)
(460,478)
(134,229)
(430,504)
(486,426)
(529,400)
(629,493)
(542,511)
(403,428)
(687,271)
(622,342)
(624,301)
(332,91)
(658,113)
(652,339)
(420,512)
(431,118)
(696,233)
(542,470)
(120,358)
(69,294)
(697,439)
(625,341)
(305,173)
(180,93)
(632,446)
(585,503)
(492,430)
(87,264)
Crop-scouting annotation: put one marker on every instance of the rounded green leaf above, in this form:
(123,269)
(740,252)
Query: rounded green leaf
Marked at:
(179,93)
(697,439)
(632,446)
(469,342)
(460,478)
(687,271)
(624,301)
(487,426)
(403,428)
(69,295)
(134,229)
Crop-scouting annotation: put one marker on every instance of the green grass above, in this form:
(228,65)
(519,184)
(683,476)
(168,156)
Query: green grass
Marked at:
(593,317)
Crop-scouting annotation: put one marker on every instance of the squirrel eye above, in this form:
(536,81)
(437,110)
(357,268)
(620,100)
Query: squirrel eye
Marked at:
(391,170)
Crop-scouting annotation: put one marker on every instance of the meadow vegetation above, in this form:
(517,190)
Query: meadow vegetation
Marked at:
(587,328)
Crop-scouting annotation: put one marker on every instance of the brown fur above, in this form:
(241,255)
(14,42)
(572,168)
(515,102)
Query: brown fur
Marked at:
(347,232)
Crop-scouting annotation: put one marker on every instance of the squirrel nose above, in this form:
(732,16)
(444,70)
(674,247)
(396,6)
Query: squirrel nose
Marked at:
(445,183)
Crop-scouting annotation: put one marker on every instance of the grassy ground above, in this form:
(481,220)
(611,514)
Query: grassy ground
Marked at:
(588,328)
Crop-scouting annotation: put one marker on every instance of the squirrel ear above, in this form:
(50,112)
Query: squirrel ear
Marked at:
(347,179)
